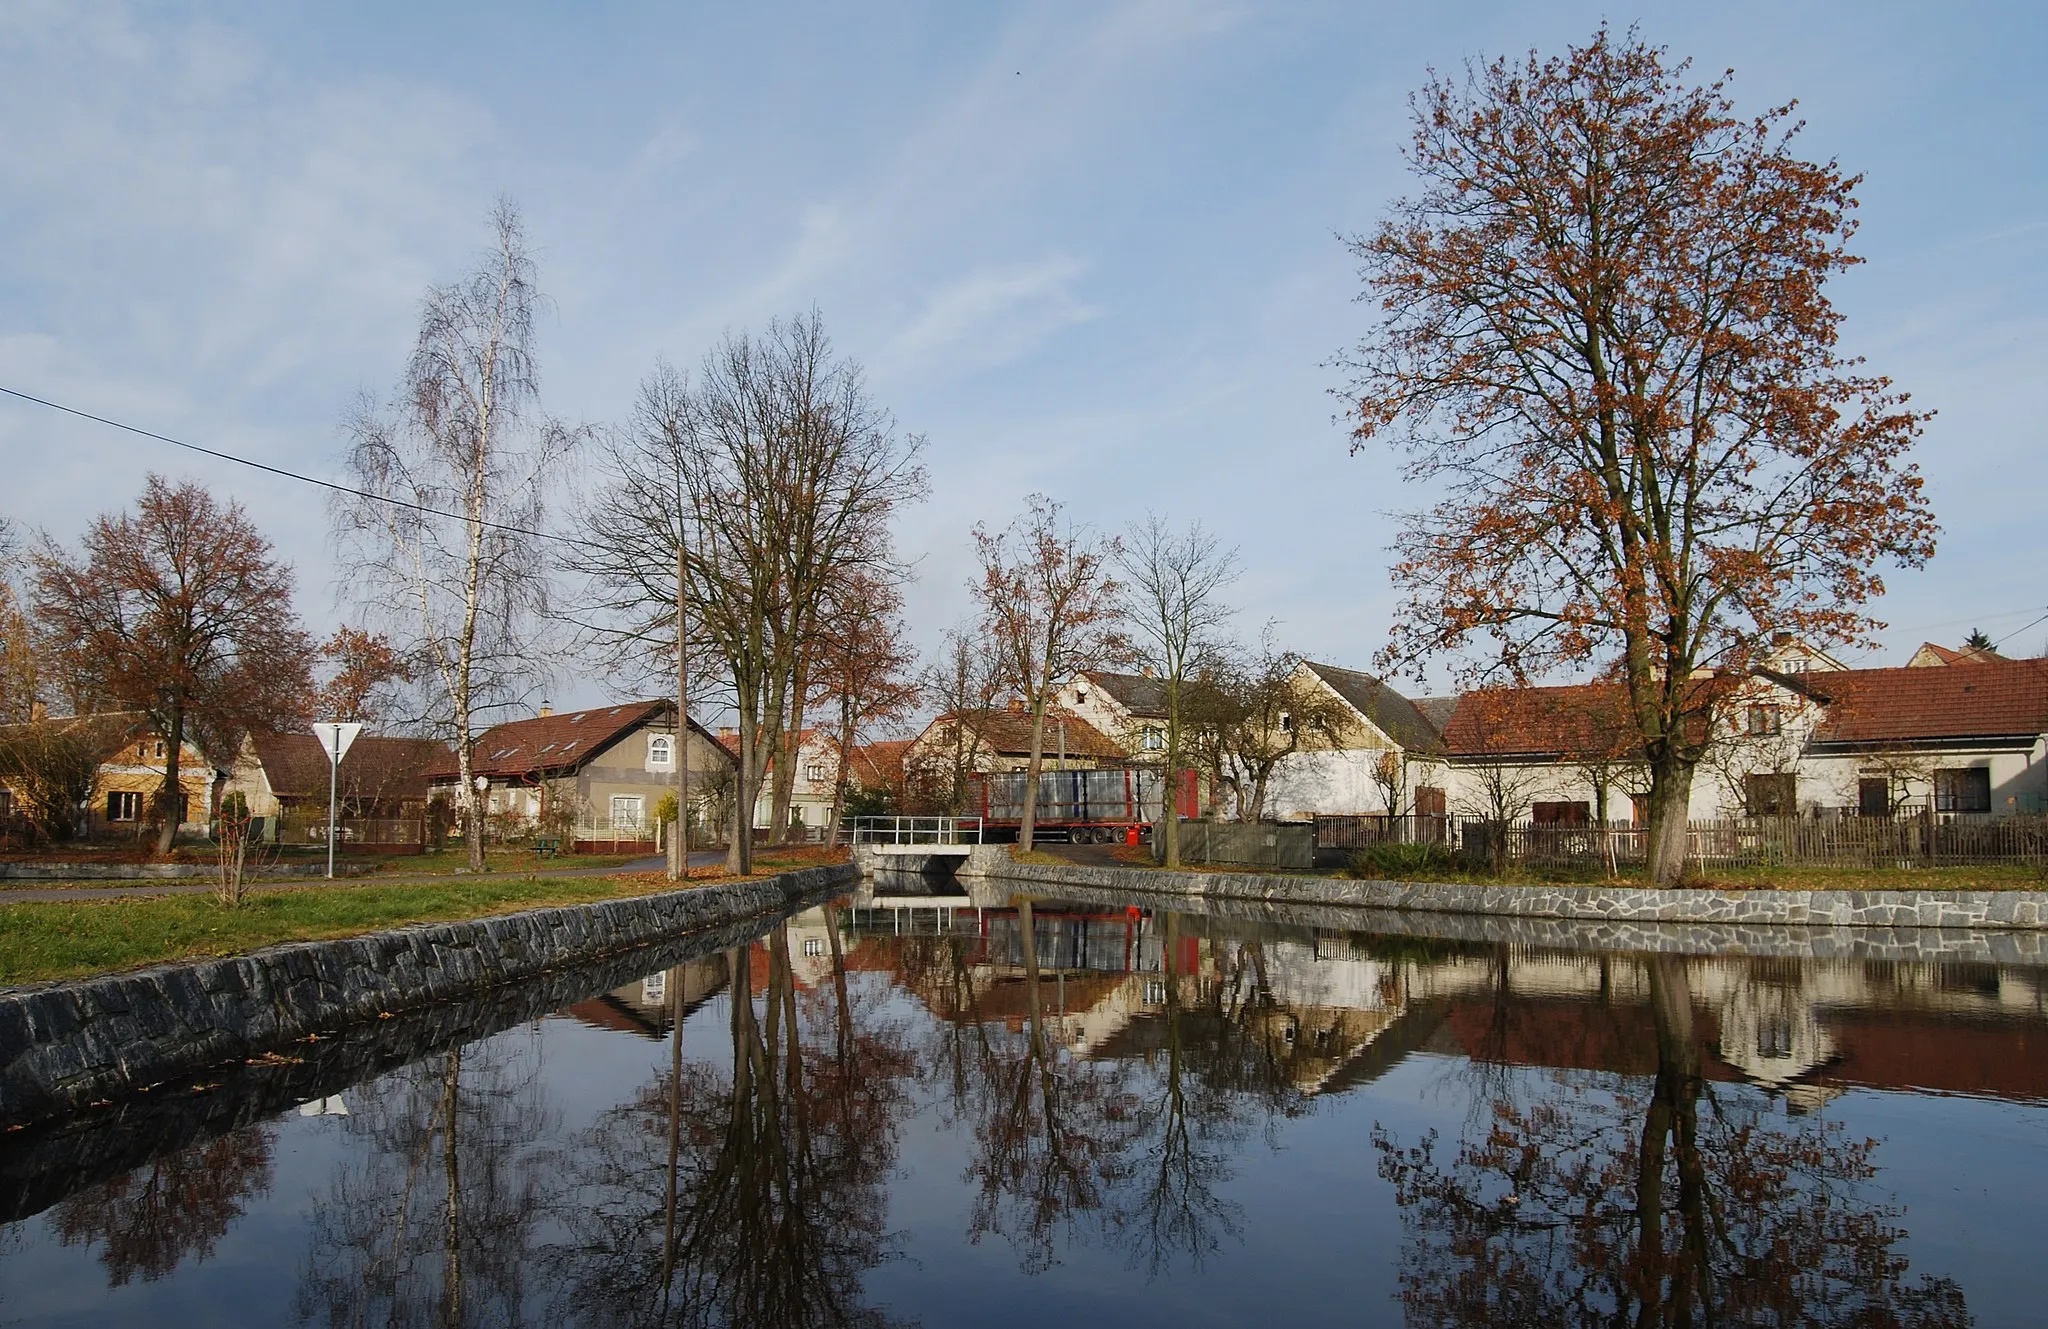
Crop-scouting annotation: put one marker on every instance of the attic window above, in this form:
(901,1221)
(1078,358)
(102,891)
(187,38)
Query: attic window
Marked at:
(569,745)
(615,710)
(503,753)
(1287,722)
(549,748)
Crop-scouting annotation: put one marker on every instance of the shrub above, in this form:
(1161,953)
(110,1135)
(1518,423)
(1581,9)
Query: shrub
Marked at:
(1396,860)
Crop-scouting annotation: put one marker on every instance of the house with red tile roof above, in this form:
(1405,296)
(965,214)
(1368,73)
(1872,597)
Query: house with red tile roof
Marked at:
(1968,740)
(601,770)
(999,739)
(284,777)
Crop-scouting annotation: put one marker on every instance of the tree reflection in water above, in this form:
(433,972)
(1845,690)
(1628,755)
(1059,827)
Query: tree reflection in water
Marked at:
(176,1207)
(1132,1150)
(1582,1205)
(748,1194)
(435,1218)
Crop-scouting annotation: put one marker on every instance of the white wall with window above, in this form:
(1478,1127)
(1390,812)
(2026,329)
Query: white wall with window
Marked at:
(629,811)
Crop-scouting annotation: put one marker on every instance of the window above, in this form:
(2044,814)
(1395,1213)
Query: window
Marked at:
(6,802)
(1967,789)
(1764,721)
(1154,739)
(1155,992)
(1771,795)
(660,751)
(654,989)
(123,805)
(1561,813)
(626,811)
(814,945)
(818,773)
(1873,796)
(1287,722)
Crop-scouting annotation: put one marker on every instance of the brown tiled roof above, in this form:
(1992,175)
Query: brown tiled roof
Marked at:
(525,749)
(1390,712)
(1008,733)
(1989,699)
(1964,655)
(1139,694)
(375,767)
(879,765)
(1580,719)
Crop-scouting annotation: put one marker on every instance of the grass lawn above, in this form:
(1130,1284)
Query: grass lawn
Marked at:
(453,862)
(42,940)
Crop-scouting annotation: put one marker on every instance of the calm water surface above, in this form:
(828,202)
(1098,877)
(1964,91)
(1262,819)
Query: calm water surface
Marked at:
(1083,1114)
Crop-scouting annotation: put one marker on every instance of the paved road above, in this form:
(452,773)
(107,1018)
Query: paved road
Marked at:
(189,886)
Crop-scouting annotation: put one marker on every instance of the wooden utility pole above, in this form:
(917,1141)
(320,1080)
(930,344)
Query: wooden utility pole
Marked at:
(679,861)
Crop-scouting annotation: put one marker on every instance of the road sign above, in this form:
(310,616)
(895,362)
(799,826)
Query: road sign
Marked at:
(335,736)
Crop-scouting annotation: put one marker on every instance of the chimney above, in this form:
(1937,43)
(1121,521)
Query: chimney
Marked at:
(1147,671)
(545,709)
(37,712)
(1016,706)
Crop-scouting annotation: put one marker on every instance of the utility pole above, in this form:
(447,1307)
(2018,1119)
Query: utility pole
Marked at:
(680,871)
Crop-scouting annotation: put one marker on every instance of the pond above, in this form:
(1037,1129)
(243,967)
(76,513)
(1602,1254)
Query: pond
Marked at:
(893,1111)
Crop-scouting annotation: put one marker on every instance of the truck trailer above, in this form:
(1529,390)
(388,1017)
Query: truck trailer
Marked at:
(1084,807)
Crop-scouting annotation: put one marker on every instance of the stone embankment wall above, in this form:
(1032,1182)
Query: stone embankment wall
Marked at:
(71,1045)
(1608,904)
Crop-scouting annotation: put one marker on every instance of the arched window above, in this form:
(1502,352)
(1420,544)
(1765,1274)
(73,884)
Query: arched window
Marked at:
(660,750)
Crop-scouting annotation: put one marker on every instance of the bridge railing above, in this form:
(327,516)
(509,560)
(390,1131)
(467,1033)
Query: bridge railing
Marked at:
(914,830)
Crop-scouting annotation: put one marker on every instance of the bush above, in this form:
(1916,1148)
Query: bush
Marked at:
(1396,860)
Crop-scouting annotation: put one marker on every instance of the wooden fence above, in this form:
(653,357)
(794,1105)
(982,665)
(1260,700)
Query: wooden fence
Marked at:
(1361,832)
(1923,840)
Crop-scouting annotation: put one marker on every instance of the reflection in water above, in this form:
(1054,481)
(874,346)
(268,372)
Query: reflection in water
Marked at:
(1626,1206)
(175,1208)
(433,1216)
(745,1191)
(1077,1093)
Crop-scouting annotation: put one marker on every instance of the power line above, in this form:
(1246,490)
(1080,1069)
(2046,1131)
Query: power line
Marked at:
(294,475)
(2016,632)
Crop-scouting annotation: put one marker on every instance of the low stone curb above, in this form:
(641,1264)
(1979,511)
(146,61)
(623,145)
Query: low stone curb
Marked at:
(1606,904)
(66,1046)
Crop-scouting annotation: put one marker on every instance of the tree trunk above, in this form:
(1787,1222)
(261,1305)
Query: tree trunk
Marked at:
(1030,823)
(1670,807)
(788,752)
(1169,791)
(167,798)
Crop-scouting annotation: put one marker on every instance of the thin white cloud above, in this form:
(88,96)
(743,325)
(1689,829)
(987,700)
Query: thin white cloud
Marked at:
(993,315)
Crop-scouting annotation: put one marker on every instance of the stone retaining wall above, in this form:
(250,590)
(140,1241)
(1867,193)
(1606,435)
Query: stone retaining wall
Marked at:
(1604,904)
(69,1045)
(2022,947)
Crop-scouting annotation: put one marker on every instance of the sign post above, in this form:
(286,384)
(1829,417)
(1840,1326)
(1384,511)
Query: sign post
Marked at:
(334,736)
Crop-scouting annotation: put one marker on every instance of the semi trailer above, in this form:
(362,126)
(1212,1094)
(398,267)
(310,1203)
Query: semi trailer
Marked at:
(1115,806)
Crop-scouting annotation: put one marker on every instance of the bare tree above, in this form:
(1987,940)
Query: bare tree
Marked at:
(773,477)
(1251,712)
(182,612)
(962,684)
(1050,609)
(1175,607)
(461,595)
(20,685)
(52,765)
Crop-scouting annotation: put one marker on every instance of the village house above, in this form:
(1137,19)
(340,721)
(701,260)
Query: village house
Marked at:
(380,787)
(810,792)
(1867,742)
(1129,709)
(1361,723)
(121,797)
(592,775)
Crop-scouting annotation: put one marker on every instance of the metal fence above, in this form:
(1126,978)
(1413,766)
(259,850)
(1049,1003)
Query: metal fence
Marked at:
(914,830)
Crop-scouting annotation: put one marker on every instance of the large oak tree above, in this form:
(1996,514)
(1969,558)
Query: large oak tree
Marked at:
(1606,340)
(179,610)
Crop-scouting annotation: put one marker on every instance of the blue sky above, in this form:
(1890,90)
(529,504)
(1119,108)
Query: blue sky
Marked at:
(1088,249)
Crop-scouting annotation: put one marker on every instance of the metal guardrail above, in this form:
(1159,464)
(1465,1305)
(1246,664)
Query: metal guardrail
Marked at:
(914,830)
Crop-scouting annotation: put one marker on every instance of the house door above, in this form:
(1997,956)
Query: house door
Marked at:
(1874,797)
